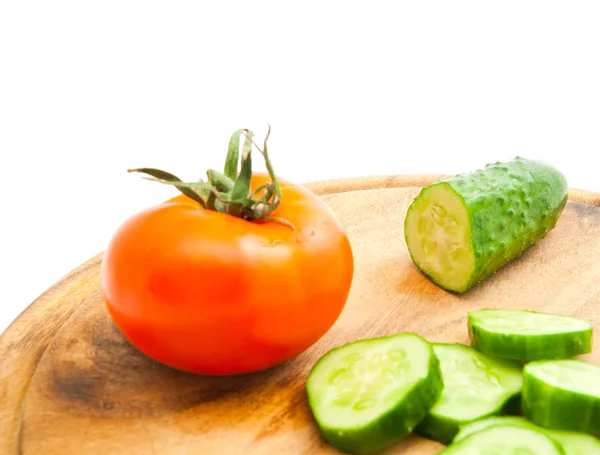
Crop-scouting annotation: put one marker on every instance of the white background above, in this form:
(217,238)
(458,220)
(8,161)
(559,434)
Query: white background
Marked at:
(89,89)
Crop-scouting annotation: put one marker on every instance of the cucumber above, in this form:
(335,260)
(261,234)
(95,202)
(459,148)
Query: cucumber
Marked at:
(475,386)
(482,424)
(529,335)
(576,443)
(573,443)
(461,230)
(505,440)
(562,395)
(367,394)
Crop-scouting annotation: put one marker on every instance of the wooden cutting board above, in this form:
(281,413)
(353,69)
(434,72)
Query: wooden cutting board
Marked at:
(71,385)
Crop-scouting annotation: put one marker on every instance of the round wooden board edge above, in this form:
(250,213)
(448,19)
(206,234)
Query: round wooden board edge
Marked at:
(343,185)
(16,370)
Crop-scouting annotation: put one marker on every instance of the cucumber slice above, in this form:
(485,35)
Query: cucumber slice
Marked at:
(562,395)
(367,394)
(505,440)
(529,335)
(576,443)
(475,386)
(461,230)
(573,443)
(482,424)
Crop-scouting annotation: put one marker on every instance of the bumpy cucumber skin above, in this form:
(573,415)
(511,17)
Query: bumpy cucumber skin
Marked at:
(393,426)
(511,205)
(524,348)
(564,411)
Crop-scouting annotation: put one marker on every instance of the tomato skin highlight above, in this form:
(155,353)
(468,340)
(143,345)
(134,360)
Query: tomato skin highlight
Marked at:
(209,293)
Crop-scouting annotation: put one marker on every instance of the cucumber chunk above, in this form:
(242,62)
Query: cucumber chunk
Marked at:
(505,440)
(529,335)
(475,386)
(461,230)
(367,394)
(562,395)
(573,443)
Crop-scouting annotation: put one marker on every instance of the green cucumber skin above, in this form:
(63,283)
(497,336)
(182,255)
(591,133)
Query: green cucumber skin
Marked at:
(438,429)
(511,205)
(563,411)
(394,425)
(556,345)
(525,348)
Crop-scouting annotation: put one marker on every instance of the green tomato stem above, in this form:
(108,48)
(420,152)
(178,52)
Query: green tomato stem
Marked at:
(229,192)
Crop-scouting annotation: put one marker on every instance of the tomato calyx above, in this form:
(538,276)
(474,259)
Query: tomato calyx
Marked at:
(229,192)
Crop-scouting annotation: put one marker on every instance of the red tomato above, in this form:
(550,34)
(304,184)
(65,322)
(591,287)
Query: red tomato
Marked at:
(210,293)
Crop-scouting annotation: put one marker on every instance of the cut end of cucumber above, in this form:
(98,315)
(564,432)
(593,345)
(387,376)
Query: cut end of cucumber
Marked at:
(438,236)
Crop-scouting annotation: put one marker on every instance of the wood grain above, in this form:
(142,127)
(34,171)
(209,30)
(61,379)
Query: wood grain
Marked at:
(70,384)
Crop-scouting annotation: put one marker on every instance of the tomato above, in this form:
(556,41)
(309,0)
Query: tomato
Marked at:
(210,293)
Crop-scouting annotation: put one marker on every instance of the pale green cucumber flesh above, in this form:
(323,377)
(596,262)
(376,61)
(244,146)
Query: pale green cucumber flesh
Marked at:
(562,395)
(505,440)
(367,394)
(475,386)
(529,335)
(438,236)
(481,424)
(573,443)
(461,230)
